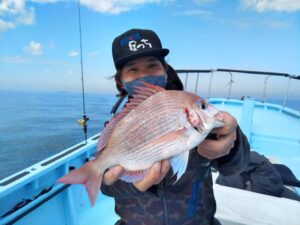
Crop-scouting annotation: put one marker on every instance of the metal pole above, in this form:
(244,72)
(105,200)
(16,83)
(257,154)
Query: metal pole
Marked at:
(210,83)
(287,92)
(230,83)
(186,79)
(265,88)
(196,83)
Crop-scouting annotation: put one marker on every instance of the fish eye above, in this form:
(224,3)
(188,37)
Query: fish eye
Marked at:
(204,106)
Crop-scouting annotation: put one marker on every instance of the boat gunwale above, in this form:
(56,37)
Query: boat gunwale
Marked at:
(31,173)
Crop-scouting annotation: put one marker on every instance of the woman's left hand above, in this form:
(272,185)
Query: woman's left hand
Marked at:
(226,136)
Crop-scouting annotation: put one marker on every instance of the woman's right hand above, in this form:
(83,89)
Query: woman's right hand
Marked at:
(112,175)
(155,175)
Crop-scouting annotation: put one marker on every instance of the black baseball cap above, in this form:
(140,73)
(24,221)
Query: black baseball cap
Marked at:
(136,43)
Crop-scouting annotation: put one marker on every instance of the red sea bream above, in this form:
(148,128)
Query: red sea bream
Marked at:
(154,125)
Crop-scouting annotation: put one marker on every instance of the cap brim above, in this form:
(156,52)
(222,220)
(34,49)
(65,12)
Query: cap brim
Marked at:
(159,52)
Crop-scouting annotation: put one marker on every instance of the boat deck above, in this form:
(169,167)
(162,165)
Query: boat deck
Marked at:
(274,130)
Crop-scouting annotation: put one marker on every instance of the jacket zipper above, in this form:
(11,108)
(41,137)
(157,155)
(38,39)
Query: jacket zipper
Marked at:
(164,200)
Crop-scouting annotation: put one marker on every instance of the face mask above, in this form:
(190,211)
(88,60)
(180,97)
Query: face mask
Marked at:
(160,81)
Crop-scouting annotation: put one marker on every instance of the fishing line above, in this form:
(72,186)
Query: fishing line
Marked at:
(82,122)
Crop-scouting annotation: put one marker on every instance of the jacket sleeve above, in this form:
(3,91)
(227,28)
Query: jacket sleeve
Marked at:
(238,158)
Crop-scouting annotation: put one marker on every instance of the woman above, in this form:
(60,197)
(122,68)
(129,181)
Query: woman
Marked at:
(138,56)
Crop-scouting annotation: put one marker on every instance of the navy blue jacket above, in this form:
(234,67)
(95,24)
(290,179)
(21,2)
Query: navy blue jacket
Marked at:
(189,201)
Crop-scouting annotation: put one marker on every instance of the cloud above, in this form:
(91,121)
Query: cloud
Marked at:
(45,1)
(14,59)
(15,12)
(273,24)
(194,8)
(242,24)
(73,53)
(26,17)
(11,6)
(195,12)
(114,6)
(203,1)
(51,45)
(34,48)
(278,24)
(4,25)
(271,5)
(93,54)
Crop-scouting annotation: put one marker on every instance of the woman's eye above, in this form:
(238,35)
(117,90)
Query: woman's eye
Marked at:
(153,65)
(132,70)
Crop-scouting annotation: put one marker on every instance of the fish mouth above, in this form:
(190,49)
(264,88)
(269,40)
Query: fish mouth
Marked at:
(199,129)
(218,119)
(219,116)
(208,124)
(216,123)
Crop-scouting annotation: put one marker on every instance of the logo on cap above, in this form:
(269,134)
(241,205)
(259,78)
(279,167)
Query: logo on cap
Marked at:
(135,42)
(135,45)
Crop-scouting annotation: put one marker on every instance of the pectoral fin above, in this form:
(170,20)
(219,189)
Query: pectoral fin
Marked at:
(179,164)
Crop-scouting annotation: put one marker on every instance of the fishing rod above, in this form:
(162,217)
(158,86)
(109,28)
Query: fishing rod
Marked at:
(82,122)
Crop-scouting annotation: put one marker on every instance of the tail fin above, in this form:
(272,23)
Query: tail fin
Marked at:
(88,175)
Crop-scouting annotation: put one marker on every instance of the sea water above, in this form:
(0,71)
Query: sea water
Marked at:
(37,125)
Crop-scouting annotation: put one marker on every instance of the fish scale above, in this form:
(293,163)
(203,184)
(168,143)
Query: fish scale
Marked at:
(155,154)
(155,126)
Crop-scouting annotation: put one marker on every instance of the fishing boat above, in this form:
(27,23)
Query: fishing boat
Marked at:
(32,195)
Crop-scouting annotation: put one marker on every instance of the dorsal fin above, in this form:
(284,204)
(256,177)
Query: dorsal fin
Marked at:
(142,93)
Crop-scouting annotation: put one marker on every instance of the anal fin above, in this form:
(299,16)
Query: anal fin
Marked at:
(133,176)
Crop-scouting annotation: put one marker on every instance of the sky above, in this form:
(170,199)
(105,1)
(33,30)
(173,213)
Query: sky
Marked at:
(39,41)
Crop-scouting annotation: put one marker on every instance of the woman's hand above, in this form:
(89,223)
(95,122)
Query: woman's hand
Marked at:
(226,136)
(112,175)
(155,175)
